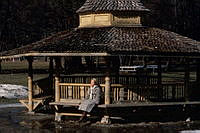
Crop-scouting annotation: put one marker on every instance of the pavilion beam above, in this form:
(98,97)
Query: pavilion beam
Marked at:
(30,84)
(187,78)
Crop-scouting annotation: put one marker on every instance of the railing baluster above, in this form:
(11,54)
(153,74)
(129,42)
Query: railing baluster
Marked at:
(70,92)
(114,93)
(82,92)
(128,98)
(121,94)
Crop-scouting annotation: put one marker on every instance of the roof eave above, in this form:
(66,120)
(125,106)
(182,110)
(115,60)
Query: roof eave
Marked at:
(37,54)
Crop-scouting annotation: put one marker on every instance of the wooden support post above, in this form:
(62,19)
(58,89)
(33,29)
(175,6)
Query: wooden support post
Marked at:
(57,89)
(51,72)
(57,117)
(57,79)
(30,84)
(0,66)
(50,67)
(107,90)
(187,79)
(108,65)
(160,91)
(116,63)
(106,118)
(198,72)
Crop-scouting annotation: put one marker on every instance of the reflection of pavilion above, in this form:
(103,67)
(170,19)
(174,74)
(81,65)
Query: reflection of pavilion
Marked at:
(110,29)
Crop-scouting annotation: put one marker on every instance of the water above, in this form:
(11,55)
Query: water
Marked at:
(15,120)
(11,105)
(190,131)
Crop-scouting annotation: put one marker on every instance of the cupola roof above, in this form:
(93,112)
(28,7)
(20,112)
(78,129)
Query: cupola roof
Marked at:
(112,5)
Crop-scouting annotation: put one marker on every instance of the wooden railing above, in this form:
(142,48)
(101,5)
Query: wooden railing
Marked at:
(173,91)
(74,91)
(120,79)
(137,93)
(129,93)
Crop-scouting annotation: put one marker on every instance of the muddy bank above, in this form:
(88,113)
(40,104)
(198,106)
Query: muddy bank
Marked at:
(15,119)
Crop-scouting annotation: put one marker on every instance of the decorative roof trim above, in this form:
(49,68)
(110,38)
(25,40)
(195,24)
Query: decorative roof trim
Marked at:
(53,54)
(95,54)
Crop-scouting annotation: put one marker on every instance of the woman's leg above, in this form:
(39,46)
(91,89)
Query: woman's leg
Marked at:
(84,115)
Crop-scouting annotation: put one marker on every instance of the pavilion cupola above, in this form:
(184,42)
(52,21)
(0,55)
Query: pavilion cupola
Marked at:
(102,13)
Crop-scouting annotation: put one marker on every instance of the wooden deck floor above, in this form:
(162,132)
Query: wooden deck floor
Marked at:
(148,104)
(124,105)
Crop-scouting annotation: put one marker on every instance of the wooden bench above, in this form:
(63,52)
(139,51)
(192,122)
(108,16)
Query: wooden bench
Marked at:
(69,103)
(73,104)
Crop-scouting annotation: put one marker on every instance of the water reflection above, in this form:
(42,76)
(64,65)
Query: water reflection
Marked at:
(190,131)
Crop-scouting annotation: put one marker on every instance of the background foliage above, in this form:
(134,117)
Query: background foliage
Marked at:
(26,21)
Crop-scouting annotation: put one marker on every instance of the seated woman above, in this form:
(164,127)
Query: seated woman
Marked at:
(92,99)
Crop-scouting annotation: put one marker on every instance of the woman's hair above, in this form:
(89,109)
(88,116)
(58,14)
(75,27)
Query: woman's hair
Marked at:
(95,80)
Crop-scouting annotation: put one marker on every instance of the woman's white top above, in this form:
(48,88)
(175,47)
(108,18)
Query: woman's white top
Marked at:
(91,91)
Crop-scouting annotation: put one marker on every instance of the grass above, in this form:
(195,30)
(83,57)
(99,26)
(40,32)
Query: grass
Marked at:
(6,101)
(37,64)
(18,79)
(21,78)
(177,76)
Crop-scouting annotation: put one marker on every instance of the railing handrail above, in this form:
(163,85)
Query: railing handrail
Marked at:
(113,85)
(101,75)
(78,84)
(73,84)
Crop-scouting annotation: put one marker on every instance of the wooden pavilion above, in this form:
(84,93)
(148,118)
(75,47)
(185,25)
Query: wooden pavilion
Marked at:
(110,32)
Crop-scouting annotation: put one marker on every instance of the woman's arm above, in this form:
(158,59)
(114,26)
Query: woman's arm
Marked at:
(88,94)
(98,95)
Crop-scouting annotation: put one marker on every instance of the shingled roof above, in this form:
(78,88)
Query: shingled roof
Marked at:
(112,5)
(113,40)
